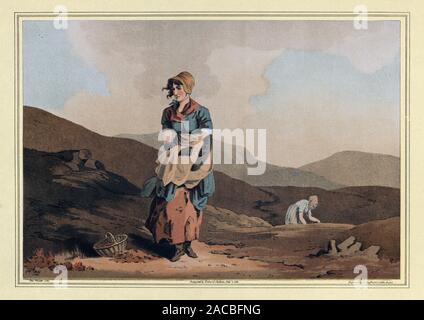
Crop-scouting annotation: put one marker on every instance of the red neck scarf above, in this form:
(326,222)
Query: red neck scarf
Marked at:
(190,107)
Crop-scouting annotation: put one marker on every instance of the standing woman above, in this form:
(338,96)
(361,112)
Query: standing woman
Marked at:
(180,189)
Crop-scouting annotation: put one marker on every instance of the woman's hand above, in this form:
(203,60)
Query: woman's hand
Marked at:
(167,136)
(311,218)
(315,220)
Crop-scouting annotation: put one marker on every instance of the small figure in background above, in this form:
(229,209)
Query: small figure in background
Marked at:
(295,213)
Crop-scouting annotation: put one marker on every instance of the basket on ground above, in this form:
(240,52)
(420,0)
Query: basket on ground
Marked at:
(111,245)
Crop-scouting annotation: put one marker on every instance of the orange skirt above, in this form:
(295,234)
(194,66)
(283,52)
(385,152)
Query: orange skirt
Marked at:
(176,221)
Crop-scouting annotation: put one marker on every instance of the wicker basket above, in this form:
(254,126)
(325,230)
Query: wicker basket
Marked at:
(111,245)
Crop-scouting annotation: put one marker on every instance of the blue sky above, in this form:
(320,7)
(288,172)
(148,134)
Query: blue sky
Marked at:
(329,77)
(52,71)
(320,86)
(296,71)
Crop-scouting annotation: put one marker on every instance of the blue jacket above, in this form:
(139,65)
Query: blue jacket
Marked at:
(198,119)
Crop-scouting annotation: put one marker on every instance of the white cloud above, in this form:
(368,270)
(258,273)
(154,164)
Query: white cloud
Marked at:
(369,50)
(228,60)
(239,71)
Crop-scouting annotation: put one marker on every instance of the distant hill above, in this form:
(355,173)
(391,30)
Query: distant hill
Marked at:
(128,158)
(135,162)
(273,176)
(355,168)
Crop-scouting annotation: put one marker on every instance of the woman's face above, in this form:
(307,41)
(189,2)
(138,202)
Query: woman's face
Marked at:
(313,204)
(178,92)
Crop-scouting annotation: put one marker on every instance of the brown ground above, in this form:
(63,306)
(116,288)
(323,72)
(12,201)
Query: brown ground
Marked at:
(241,235)
(384,232)
(281,252)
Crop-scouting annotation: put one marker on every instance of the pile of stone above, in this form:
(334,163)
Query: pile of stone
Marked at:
(348,248)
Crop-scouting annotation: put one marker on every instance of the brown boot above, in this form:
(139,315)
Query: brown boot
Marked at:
(179,252)
(189,250)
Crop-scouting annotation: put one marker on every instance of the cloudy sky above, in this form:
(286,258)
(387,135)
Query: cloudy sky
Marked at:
(318,87)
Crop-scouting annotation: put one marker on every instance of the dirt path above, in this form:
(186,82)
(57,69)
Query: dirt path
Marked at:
(278,252)
(207,265)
